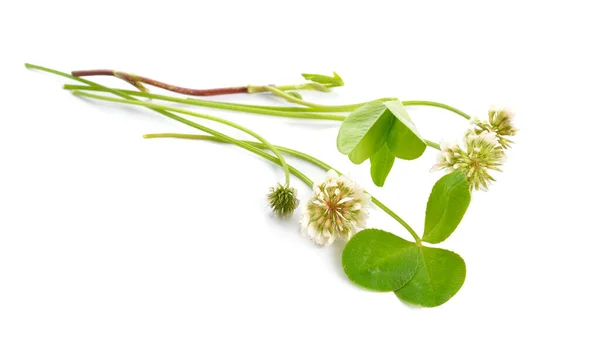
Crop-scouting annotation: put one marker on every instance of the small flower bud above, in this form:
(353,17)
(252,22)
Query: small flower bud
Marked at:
(282,200)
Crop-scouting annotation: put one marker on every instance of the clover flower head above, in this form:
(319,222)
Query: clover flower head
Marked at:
(479,154)
(282,200)
(338,208)
(500,121)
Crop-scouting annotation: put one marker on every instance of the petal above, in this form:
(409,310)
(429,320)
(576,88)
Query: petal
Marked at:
(332,174)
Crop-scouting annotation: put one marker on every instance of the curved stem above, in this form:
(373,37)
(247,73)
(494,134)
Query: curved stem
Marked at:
(198,115)
(300,155)
(439,105)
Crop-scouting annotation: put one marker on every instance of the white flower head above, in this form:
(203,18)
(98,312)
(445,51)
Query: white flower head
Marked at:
(338,208)
(500,121)
(479,154)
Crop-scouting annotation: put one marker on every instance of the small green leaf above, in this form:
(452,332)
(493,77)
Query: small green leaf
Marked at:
(381,165)
(295,94)
(404,140)
(364,131)
(334,80)
(440,275)
(318,87)
(448,202)
(379,260)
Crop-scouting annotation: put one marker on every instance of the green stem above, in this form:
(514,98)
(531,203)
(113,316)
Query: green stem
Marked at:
(300,155)
(293,99)
(288,112)
(439,105)
(303,86)
(157,109)
(432,144)
(236,106)
(198,115)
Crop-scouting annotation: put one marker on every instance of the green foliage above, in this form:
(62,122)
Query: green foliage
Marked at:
(419,275)
(379,260)
(381,165)
(404,140)
(440,275)
(367,129)
(364,131)
(448,202)
(333,81)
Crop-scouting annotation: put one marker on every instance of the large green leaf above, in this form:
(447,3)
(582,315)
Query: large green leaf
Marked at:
(381,165)
(403,139)
(448,202)
(334,80)
(440,275)
(364,131)
(379,260)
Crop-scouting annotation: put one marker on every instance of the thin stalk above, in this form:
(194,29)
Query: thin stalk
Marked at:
(160,111)
(306,109)
(138,82)
(194,101)
(254,109)
(432,144)
(300,155)
(314,107)
(198,115)
(293,99)
(323,87)
(439,105)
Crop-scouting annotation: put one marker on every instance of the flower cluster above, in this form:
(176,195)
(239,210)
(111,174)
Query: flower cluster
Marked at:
(501,122)
(338,208)
(282,200)
(482,149)
(479,154)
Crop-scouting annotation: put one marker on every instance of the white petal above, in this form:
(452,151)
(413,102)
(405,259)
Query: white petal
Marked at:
(311,231)
(345,199)
(305,220)
(331,174)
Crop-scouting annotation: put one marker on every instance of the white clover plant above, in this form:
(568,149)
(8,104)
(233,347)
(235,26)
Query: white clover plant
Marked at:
(380,131)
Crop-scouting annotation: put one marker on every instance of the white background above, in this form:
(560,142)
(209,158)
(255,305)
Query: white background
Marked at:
(113,243)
